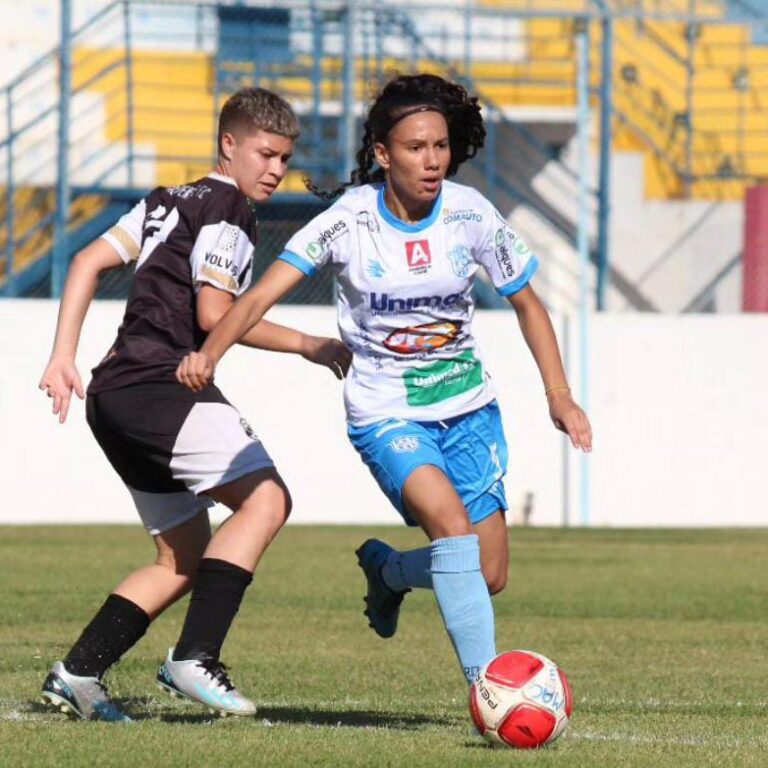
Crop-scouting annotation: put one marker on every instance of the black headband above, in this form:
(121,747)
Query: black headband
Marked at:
(414,111)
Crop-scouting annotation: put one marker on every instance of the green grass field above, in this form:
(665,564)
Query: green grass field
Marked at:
(662,634)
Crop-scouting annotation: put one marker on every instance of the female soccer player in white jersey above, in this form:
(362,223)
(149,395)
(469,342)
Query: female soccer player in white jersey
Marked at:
(178,451)
(406,245)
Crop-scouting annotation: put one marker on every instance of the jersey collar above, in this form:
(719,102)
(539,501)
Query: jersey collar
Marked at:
(222,178)
(403,226)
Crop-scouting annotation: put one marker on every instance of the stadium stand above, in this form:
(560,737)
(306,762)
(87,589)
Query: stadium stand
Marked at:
(689,116)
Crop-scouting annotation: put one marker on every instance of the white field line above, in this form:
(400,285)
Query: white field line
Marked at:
(663,704)
(677,741)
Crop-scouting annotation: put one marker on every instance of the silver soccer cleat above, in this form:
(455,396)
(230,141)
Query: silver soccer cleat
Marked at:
(205,681)
(82,697)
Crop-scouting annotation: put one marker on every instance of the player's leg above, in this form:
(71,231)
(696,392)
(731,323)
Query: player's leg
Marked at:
(392,450)
(193,669)
(217,454)
(178,522)
(457,578)
(494,550)
(407,462)
(476,457)
(474,453)
(75,685)
(170,577)
(407,569)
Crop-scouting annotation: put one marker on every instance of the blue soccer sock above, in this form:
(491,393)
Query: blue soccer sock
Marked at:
(409,569)
(464,602)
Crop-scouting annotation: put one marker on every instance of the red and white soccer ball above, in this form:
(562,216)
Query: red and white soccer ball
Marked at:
(521,699)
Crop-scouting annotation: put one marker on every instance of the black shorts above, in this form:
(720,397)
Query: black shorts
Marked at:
(169,444)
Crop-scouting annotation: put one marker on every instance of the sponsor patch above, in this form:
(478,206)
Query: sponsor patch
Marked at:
(422,338)
(227,240)
(317,250)
(314,252)
(465,214)
(222,257)
(418,256)
(503,240)
(384,303)
(217,277)
(443,379)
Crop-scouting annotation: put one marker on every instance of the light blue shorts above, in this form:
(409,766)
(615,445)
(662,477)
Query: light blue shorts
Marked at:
(470,449)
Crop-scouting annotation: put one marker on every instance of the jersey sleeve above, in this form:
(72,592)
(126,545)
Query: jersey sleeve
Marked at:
(125,236)
(507,259)
(222,255)
(319,242)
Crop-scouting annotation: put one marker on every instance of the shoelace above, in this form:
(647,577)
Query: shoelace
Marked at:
(218,671)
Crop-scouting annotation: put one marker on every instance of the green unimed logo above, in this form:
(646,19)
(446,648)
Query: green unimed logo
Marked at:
(443,379)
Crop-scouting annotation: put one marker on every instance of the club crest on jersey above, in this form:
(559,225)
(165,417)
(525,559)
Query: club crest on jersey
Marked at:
(461,260)
(418,255)
(404,444)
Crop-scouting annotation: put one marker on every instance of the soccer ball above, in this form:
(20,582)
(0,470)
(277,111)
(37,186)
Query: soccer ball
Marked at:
(521,699)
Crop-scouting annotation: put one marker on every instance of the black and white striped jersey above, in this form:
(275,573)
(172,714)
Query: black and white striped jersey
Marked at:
(181,238)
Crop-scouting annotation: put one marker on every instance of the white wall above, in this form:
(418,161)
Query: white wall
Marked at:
(672,249)
(678,404)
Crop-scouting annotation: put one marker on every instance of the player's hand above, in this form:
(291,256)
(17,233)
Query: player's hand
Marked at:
(196,371)
(328,352)
(59,379)
(569,418)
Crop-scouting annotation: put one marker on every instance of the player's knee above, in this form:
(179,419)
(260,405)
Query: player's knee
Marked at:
(271,500)
(447,528)
(496,579)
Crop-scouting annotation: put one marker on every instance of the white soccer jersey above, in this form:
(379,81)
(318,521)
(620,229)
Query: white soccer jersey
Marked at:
(405,297)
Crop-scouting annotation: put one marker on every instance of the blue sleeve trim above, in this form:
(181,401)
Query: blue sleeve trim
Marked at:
(307,267)
(517,285)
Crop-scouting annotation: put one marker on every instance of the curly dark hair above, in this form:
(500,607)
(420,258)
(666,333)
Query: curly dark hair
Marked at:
(403,95)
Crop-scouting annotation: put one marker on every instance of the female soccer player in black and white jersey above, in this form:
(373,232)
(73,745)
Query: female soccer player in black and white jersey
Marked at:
(406,245)
(178,451)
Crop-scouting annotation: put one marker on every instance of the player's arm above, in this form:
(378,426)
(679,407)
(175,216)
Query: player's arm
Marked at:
(213,303)
(197,368)
(61,375)
(540,337)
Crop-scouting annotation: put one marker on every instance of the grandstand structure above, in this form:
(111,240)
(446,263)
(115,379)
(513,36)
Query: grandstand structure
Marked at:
(677,125)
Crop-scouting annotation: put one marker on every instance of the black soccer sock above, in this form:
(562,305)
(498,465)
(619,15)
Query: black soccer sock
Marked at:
(216,597)
(117,626)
